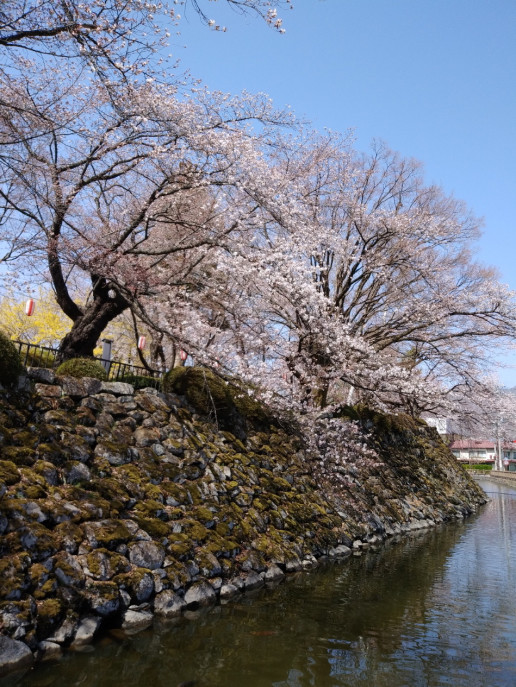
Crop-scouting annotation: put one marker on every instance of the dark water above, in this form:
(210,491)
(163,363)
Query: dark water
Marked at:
(438,608)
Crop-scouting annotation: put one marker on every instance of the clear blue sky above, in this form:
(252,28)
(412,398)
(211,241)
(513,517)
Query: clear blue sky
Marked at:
(435,79)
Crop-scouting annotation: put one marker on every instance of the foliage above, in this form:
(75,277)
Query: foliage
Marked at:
(82,367)
(140,381)
(39,358)
(10,364)
(47,325)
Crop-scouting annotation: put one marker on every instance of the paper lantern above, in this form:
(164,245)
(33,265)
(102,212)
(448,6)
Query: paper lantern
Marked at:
(141,343)
(29,307)
(183,355)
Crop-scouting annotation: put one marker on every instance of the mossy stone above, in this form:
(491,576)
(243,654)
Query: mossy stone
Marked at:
(180,549)
(195,530)
(35,491)
(112,491)
(46,589)
(111,533)
(138,583)
(52,453)
(149,508)
(104,564)
(13,576)
(19,455)
(49,614)
(9,473)
(153,526)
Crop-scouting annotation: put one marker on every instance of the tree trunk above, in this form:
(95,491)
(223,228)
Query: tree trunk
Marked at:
(88,327)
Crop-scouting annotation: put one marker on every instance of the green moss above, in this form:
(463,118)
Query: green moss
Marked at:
(280,484)
(5,436)
(10,363)
(30,537)
(153,526)
(176,491)
(99,559)
(221,546)
(195,493)
(195,530)
(70,531)
(26,438)
(91,503)
(172,379)
(271,545)
(177,574)
(20,455)
(112,491)
(9,473)
(153,493)
(131,581)
(180,549)
(202,514)
(35,491)
(38,575)
(222,529)
(46,590)
(13,575)
(112,533)
(52,453)
(49,614)
(148,508)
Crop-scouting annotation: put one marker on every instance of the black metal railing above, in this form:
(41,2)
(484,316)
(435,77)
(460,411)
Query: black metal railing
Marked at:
(33,355)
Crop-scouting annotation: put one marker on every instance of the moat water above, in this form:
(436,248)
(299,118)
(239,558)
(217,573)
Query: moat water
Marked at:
(433,609)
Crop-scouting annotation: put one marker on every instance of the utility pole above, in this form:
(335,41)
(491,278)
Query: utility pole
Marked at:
(498,461)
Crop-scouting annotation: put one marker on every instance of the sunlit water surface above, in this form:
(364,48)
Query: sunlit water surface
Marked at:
(437,608)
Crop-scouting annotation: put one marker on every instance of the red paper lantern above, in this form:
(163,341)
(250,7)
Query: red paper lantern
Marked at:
(141,343)
(29,307)
(183,355)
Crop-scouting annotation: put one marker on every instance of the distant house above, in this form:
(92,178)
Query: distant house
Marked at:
(480,451)
(443,425)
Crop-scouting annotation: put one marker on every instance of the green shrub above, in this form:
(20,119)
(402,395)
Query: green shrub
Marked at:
(10,363)
(140,381)
(82,367)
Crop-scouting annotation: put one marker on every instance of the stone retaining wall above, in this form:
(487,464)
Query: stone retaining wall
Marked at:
(117,505)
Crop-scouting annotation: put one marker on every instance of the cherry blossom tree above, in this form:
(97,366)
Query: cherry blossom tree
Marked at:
(112,33)
(132,195)
(358,284)
(391,258)
(318,275)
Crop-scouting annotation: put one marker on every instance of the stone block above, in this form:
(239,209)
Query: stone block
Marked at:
(117,388)
(14,655)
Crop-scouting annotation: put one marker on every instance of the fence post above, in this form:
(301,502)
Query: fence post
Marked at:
(106,354)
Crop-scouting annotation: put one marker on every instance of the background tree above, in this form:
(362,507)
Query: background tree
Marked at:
(45,327)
